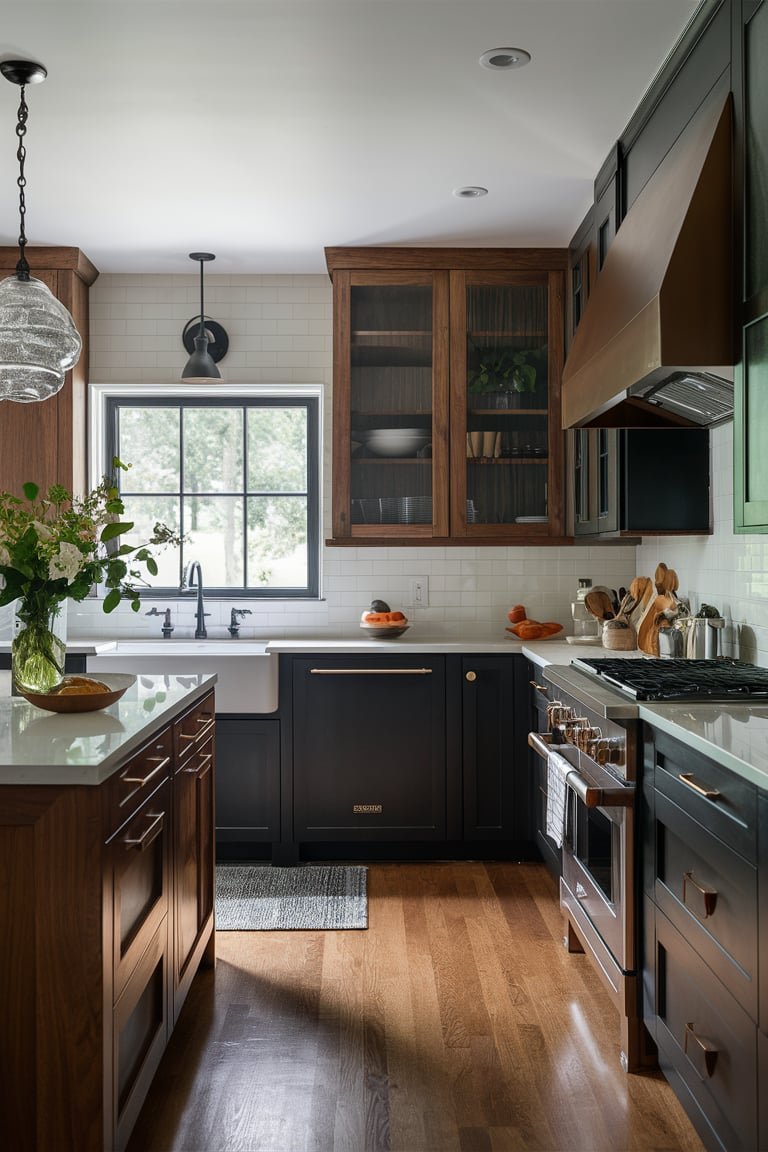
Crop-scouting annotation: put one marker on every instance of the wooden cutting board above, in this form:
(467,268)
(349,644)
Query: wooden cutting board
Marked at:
(648,628)
(644,602)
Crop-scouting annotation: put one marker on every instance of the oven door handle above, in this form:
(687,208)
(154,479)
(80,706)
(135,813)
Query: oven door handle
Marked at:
(587,792)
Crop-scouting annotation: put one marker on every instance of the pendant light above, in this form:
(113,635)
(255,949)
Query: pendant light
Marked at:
(38,339)
(210,343)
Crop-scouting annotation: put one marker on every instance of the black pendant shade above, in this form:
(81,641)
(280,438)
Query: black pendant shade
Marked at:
(201,366)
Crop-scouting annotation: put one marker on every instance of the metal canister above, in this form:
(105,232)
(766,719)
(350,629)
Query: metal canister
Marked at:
(701,636)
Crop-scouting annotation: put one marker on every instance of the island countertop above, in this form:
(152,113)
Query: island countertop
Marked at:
(38,747)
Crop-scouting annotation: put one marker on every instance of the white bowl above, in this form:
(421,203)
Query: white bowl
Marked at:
(397,441)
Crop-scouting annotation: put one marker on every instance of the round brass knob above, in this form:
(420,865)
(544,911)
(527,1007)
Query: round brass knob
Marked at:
(471,676)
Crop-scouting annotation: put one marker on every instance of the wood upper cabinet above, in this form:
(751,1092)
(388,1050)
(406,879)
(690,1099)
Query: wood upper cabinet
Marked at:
(46,442)
(446,406)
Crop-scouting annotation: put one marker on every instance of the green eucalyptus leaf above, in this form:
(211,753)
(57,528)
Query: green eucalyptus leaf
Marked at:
(111,600)
(30,490)
(110,531)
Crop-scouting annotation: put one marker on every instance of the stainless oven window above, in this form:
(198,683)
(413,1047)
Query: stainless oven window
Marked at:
(594,845)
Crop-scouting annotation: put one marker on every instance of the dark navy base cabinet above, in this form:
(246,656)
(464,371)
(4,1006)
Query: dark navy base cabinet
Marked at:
(247,785)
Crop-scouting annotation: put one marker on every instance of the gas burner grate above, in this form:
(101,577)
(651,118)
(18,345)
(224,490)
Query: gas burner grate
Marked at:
(684,680)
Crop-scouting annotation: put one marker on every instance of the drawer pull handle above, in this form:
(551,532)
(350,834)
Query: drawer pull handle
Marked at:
(539,687)
(704,1051)
(709,894)
(148,835)
(207,720)
(160,761)
(200,764)
(690,781)
(370,671)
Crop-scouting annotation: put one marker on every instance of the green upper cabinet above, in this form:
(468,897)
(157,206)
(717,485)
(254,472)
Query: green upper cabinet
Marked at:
(751,398)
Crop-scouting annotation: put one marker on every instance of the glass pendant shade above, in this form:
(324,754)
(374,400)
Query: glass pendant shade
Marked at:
(38,341)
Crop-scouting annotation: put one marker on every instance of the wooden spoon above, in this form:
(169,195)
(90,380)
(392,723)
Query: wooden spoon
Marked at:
(671,583)
(659,577)
(599,604)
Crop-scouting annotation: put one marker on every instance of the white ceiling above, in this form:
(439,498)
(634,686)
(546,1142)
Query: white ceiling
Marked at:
(263,130)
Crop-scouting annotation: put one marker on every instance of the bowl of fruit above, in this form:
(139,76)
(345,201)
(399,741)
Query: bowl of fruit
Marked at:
(381,623)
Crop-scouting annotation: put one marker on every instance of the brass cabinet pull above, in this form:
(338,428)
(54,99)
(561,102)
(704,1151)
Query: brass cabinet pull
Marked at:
(370,671)
(161,763)
(539,687)
(704,1052)
(690,781)
(709,894)
(207,720)
(471,676)
(149,834)
(202,761)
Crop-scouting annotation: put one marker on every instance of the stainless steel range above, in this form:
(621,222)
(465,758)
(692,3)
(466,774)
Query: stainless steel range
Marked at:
(592,758)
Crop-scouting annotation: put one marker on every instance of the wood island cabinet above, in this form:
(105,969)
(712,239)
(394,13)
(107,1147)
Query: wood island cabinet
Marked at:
(46,442)
(461,350)
(106,907)
(194,850)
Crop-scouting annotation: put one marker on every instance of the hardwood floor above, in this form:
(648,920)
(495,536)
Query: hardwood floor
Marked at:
(456,1023)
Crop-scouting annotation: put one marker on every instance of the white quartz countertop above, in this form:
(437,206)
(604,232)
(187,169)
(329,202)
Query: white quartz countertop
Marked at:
(83,647)
(734,735)
(38,747)
(559,651)
(316,645)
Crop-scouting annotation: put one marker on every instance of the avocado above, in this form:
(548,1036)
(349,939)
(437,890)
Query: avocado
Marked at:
(379,606)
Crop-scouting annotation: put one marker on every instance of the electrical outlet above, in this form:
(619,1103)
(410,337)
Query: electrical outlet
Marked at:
(418,588)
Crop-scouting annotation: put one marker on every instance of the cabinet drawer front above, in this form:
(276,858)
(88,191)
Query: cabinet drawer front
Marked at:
(141,1027)
(723,803)
(129,788)
(710,894)
(192,728)
(139,857)
(706,1039)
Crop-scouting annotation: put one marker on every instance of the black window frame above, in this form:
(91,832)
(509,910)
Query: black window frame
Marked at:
(113,402)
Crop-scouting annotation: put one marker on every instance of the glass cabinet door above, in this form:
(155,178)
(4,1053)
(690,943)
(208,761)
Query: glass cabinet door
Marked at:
(503,329)
(391,420)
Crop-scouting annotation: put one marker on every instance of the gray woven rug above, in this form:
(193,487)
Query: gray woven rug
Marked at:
(261,898)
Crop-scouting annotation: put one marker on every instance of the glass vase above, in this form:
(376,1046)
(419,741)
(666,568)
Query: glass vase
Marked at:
(39,646)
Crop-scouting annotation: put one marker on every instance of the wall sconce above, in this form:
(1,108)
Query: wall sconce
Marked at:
(205,339)
(38,339)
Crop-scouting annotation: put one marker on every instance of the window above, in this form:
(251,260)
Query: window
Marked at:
(237,474)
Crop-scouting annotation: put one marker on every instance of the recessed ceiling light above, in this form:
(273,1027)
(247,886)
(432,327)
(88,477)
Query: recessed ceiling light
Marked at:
(470,192)
(502,59)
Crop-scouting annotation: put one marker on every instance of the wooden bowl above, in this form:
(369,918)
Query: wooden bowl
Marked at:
(117,682)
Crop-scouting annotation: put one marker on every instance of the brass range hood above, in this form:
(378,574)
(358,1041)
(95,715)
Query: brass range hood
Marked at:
(654,347)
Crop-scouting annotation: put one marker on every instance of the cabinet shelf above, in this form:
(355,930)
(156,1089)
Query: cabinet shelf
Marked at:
(391,460)
(507,412)
(390,335)
(507,460)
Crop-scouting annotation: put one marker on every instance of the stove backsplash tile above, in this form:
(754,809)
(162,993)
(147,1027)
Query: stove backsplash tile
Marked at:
(727,570)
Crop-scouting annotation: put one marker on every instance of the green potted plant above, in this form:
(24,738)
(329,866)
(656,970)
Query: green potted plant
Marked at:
(505,372)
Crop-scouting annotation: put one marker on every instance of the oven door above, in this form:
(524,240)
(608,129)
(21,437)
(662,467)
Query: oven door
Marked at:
(597,843)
